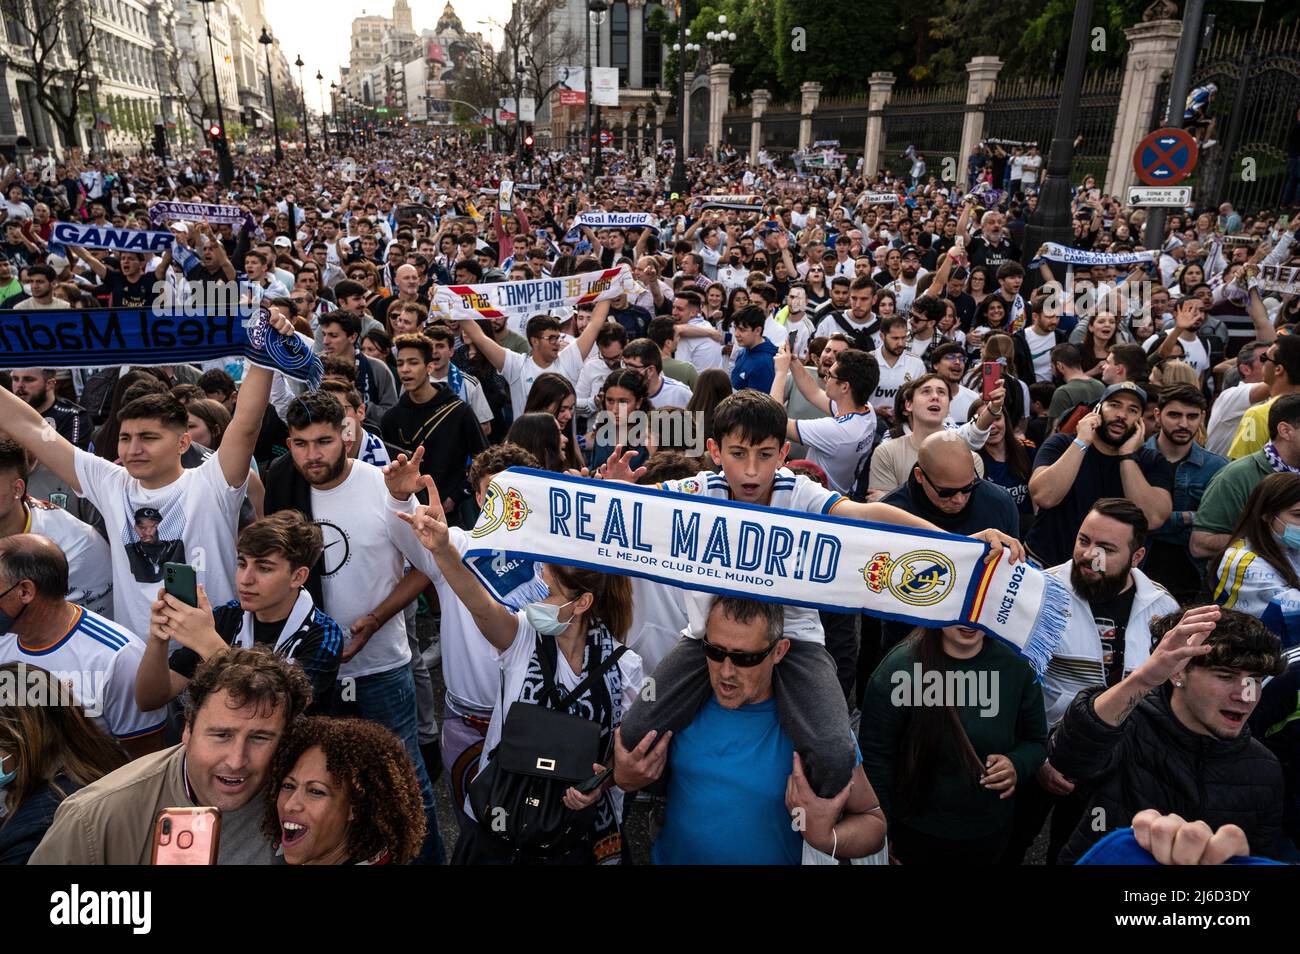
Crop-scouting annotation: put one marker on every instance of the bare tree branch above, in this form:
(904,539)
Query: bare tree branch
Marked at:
(56,39)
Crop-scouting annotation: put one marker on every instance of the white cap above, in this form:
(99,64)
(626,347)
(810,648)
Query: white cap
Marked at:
(180,227)
(282,241)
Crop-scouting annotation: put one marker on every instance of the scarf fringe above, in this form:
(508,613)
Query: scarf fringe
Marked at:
(1049,626)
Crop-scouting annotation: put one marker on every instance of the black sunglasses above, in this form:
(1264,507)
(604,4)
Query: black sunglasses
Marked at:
(946,492)
(744,660)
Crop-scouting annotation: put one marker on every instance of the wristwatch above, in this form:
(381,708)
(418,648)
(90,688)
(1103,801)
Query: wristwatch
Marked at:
(1124,457)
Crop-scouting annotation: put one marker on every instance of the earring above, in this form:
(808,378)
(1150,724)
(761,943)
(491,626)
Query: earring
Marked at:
(1178,684)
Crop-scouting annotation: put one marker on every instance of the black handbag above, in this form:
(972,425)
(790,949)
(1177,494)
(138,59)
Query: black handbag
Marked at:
(519,795)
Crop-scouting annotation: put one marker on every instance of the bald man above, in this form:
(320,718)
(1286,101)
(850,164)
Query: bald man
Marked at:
(407,280)
(96,658)
(945,489)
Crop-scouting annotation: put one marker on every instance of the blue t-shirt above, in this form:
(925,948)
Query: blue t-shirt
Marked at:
(726,791)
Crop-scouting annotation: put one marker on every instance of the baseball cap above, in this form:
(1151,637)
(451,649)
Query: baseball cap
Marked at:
(1127,387)
(56,262)
(282,241)
(907,250)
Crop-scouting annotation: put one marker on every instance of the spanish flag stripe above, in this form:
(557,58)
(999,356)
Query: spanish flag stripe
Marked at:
(983,590)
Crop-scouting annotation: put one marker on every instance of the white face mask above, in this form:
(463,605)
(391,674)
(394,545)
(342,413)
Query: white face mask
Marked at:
(545,618)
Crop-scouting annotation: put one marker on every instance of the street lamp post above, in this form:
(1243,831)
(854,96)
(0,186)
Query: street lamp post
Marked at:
(266,40)
(324,128)
(1051,221)
(302,92)
(682,47)
(596,13)
(225,168)
(334,108)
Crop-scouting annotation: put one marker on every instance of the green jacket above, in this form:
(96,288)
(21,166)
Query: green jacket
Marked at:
(1004,717)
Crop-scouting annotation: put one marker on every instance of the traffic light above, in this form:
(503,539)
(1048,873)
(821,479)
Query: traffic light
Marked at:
(214,132)
(528,143)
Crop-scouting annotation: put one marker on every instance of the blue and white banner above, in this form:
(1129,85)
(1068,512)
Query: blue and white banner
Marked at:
(122,240)
(199,212)
(99,337)
(617,220)
(1052,252)
(733,549)
(538,296)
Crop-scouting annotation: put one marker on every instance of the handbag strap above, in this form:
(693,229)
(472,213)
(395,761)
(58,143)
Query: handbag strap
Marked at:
(596,674)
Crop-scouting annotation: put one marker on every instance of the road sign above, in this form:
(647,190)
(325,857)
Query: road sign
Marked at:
(1174,197)
(382,110)
(1165,157)
(606,137)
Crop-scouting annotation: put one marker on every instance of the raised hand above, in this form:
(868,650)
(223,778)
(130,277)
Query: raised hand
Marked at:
(402,476)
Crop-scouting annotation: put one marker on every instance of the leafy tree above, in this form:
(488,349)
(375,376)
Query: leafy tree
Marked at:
(839,44)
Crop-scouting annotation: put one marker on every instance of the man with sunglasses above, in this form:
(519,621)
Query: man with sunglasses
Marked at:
(735,753)
(923,337)
(950,364)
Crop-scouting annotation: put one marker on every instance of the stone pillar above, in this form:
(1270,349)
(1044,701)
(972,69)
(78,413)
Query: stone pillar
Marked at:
(811,93)
(881,85)
(635,31)
(760,100)
(719,92)
(660,112)
(1152,47)
(982,78)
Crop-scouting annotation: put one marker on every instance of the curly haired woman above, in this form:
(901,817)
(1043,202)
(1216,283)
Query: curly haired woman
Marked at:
(343,792)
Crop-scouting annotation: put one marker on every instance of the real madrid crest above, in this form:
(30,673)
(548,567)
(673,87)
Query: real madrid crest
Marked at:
(918,578)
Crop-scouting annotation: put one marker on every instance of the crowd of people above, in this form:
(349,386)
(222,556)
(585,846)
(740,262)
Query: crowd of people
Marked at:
(880,349)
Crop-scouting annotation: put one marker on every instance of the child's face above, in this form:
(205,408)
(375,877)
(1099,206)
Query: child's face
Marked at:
(749,468)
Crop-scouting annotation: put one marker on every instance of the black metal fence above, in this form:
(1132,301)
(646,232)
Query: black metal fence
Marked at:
(1024,110)
(926,118)
(781,128)
(845,119)
(1258,80)
(737,129)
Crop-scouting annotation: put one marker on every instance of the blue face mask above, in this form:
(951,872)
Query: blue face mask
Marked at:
(545,618)
(7,777)
(1290,536)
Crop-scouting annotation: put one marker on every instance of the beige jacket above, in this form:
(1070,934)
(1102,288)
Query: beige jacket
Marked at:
(110,822)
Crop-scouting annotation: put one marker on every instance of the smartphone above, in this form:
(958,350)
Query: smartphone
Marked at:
(793,336)
(186,836)
(593,783)
(179,580)
(991,373)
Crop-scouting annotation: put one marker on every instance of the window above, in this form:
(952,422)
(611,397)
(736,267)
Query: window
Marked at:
(651,51)
(618,40)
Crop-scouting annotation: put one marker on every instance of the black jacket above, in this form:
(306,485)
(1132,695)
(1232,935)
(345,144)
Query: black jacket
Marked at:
(1152,760)
(1024,360)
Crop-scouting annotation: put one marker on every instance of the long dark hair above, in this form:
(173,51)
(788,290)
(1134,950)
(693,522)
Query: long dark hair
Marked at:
(1272,495)
(933,734)
(712,386)
(1019,465)
(539,434)
(548,392)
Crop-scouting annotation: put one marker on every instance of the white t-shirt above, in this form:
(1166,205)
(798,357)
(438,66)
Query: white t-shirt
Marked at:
(917,347)
(471,671)
(1017,167)
(904,294)
(200,519)
(790,491)
(830,326)
(590,380)
(908,367)
(671,393)
(475,399)
(658,620)
(1194,353)
(520,371)
(1228,410)
(959,406)
(515,660)
(1029,167)
(837,444)
(1040,350)
(90,567)
(360,566)
(703,353)
(98,659)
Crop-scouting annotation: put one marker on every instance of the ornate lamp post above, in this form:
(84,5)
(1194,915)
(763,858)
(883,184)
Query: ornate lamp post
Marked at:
(302,92)
(224,165)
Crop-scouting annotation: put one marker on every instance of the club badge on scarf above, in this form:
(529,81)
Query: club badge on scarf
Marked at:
(733,549)
(93,338)
(531,297)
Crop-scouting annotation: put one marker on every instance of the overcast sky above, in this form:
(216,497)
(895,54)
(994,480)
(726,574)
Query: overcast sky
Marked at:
(320,31)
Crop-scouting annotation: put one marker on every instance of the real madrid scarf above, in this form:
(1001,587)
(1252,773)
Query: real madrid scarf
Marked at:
(93,338)
(1052,252)
(734,549)
(533,297)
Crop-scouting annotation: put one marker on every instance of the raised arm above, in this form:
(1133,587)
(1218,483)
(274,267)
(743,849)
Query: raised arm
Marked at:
(588,337)
(25,425)
(96,266)
(495,354)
